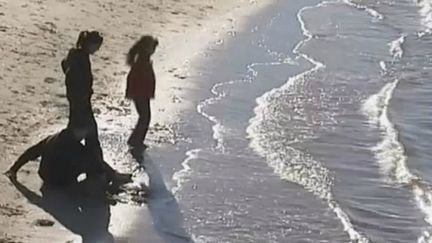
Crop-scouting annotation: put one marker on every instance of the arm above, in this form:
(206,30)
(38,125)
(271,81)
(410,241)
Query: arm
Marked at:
(30,154)
(151,79)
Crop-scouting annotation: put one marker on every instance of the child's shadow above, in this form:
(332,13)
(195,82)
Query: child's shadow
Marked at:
(87,216)
(164,209)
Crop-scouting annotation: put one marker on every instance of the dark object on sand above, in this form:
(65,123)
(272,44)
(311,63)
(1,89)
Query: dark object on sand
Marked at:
(44,222)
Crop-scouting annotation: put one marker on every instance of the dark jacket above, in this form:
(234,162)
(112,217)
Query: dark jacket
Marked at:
(79,78)
(62,158)
(141,81)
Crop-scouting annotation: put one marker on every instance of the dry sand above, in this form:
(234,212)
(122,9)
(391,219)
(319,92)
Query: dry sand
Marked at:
(35,36)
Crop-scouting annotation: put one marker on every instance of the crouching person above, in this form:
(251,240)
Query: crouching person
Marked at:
(64,158)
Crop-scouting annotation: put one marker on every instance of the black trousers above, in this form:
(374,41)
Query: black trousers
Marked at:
(138,135)
(81,116)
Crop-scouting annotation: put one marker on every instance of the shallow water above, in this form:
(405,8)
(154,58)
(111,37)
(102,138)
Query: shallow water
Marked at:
(311,125)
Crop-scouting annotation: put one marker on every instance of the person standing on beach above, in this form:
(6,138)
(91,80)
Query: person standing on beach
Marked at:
(141,85)
(79,88)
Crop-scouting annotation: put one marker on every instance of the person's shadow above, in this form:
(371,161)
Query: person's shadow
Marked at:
(163,207)
(85,215)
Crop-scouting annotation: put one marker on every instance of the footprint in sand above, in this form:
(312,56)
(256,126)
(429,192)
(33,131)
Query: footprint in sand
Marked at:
(44,103)
(153,7)
(49,80)
(47,27)
(179,76)
(9,211)
(175,99)
(105,58)
(121,73)
(97,111)
(113,108)
(30,89)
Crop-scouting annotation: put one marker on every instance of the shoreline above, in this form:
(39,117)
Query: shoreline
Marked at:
(34,109)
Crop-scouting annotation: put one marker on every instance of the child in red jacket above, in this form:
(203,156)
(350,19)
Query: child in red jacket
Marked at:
(141,85)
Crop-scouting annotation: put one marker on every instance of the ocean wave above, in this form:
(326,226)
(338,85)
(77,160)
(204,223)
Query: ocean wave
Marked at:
(217,127)
(390,153)
(289,163)
(372,12)
(181,176)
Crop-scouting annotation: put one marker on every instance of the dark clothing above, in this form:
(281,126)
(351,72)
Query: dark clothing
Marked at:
(141,81)
(63,159)
(79,82)
(141,84)
(143,108)
(84,118)
(79,78)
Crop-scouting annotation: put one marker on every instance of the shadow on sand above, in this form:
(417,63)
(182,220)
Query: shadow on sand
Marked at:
(163,207)
(88,214)
(84,215)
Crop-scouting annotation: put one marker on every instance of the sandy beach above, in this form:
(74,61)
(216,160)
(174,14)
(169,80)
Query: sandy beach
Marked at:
(36,35)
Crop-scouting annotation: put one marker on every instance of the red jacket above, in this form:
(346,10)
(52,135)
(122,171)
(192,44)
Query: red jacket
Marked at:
(141,80)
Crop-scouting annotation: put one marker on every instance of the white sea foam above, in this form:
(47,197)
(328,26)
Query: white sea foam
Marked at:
(390,153)
(218,128)
(287,162)
(425,11)
(396,49)
(383,66)
(291,164)
(181,176)
(372,12)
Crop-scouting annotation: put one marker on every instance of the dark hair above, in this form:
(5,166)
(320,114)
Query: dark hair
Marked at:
(86,37)
(139,46)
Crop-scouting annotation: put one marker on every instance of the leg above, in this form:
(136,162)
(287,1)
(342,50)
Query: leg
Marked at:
(143,108)
(81,116)
(145,118)
(92,139)
(84,118)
